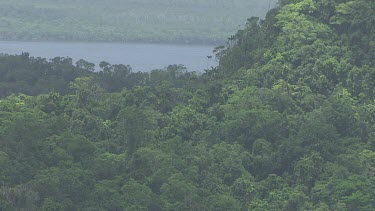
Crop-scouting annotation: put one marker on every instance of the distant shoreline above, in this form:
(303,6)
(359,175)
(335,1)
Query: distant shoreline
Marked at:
(192,43)
(196,22)
(140,56)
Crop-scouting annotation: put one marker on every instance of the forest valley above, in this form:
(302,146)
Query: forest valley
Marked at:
(285,122)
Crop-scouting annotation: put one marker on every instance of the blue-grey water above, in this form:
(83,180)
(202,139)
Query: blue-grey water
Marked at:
(141,57)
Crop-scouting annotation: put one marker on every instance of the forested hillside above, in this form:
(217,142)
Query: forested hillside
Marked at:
(167,21)
(285,122)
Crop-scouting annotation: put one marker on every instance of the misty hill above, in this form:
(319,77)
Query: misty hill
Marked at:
(286,122)
(179,21)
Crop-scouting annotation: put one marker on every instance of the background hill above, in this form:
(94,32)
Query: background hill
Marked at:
(179,21)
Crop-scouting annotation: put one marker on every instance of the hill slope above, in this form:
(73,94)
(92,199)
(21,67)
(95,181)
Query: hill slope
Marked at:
(286,122)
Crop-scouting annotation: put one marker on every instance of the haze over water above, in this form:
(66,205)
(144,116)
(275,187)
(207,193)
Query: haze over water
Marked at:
(141,57)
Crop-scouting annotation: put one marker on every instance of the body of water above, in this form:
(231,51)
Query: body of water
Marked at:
(141,57)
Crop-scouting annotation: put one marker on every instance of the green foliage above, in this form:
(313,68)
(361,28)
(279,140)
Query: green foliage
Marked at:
(286,122)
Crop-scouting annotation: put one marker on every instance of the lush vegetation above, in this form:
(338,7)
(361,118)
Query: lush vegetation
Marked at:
(286,122)
(173,21)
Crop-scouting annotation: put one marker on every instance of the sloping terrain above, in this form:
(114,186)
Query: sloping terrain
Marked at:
(286,122)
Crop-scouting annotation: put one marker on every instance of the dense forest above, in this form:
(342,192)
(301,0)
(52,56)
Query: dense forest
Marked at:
(167,21)
(285,122)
